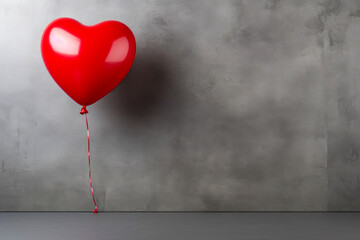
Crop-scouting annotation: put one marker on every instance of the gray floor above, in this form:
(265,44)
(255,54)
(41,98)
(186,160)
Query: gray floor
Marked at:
(197,226)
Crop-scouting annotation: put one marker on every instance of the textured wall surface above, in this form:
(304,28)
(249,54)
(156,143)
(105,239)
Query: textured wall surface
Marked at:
(230,105)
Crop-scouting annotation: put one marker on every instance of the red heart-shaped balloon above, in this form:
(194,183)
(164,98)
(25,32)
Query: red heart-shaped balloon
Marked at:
(87,62)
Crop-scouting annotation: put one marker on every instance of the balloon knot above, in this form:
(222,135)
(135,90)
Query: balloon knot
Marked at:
(83,110)
(95,211)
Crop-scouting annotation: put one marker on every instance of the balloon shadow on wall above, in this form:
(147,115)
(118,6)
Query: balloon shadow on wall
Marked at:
(143,90)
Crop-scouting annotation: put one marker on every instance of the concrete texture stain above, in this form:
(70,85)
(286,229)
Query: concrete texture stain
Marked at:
(355,13)
(233,105)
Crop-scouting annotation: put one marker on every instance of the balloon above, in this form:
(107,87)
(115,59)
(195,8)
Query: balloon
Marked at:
(87,62)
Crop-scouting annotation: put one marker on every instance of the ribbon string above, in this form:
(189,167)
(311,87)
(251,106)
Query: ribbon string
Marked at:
(82,112)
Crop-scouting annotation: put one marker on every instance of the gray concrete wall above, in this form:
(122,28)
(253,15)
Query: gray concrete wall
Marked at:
(230,105)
